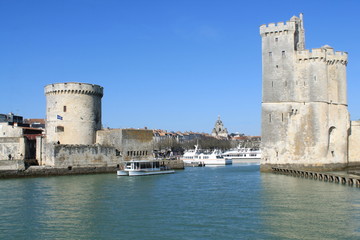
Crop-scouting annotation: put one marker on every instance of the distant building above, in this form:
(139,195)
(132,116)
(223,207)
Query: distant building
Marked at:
(35,122)
(246,141)
(219,131)
(18,142)
(11,118)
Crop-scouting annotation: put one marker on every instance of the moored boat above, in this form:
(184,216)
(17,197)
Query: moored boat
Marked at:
(243,155)
(195,156)
(142,168)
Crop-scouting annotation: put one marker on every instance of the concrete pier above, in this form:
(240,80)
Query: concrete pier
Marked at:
(343,178)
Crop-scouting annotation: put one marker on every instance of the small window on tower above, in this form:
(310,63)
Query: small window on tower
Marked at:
(59,129)
(276,39)
(64,108)
(283,54)
(270,54)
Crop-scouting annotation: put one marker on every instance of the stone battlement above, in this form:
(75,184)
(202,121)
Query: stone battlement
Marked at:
(74,88)
(278,28)
(324,54)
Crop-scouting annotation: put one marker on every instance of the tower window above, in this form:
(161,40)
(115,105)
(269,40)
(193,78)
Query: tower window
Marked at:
(64,108)
(283,54)
(276,39)
(269,117)
(59,129)
(270,54)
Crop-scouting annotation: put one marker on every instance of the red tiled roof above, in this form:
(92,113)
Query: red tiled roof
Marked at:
(34,120)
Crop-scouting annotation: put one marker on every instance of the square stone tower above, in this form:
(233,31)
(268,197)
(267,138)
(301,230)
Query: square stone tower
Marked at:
(305,120)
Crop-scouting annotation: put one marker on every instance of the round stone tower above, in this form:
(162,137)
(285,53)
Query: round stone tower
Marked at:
(73,112)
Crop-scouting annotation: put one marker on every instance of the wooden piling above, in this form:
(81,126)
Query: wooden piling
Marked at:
(345,179)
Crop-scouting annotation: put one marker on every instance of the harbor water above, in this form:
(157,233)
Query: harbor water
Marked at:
(227,202)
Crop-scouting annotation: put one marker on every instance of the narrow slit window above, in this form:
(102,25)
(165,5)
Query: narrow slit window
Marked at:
(64,108)
(269,117)
(283,54)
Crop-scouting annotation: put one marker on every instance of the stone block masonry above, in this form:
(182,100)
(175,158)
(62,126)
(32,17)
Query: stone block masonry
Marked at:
(64,156)
(73,113)
(305,119)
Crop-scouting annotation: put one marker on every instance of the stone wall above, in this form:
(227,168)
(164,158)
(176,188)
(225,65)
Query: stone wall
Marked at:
(173,164)
(41,171)
(305,120)
(62,156)
(7,130)
(16,147)
(354,144)
(73,113)
(131,144)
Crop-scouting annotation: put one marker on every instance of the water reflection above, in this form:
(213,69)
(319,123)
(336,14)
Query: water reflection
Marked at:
(231,202)
(298,208)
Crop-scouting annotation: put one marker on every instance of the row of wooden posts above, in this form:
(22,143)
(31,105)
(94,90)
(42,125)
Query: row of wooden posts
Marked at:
(350,180)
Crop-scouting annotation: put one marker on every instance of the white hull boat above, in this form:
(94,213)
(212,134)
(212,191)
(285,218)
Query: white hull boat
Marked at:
(245,155)
(143,168)
(195,156)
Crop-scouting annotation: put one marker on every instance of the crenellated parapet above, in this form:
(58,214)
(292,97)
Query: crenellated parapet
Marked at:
(305,120)
(74,88)
(324,54)
(280,28)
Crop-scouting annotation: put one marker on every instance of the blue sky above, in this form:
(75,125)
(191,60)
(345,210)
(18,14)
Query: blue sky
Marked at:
(168,64)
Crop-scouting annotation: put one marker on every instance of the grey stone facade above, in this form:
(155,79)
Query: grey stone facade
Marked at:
(74,137)
(130,144)
(73,112)
(305,119)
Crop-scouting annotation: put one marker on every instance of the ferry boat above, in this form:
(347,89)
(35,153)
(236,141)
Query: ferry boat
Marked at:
(194,157)
(142,168)
(243,155)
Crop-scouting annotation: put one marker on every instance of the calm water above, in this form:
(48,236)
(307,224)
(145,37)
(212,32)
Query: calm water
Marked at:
(231,202)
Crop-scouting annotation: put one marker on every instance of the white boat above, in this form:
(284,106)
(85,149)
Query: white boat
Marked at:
(142,168)
(243,155)
(194,156)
